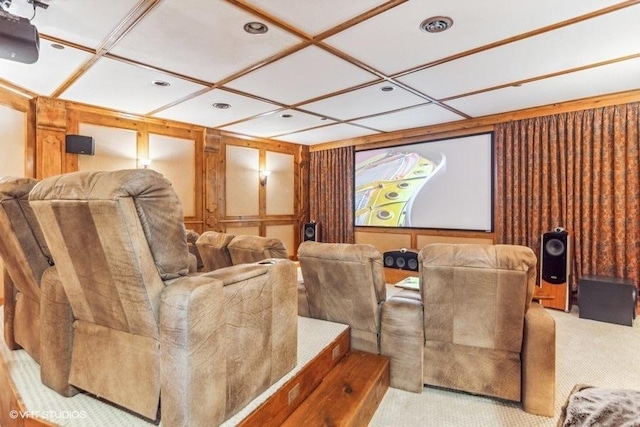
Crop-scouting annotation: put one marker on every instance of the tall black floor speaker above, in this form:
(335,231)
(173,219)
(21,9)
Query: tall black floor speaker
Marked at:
(310,232)
(555,269)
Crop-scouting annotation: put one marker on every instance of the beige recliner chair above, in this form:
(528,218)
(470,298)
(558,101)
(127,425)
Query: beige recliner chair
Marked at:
(213,250)
(145,332)
(247,249)
(473,327)
(26,257)
(344,283)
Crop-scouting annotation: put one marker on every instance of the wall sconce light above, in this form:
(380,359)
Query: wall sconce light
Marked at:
(144,163)
(263,177)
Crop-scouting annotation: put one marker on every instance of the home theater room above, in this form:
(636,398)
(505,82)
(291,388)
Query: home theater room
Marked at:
(319,213)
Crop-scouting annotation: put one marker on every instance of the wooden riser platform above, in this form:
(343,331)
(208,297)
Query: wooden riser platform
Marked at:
(348,396)
(273,411)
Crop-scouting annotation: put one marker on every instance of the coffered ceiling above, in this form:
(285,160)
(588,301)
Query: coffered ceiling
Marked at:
(327,70)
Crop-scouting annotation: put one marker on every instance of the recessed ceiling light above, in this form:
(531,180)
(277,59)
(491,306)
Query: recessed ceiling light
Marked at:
(161,83)
(436,24)
(222,105)
(286,116)
(387,88)
(255,28)
(57,46)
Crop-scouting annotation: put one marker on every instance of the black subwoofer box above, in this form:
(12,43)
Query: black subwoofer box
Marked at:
(607,299)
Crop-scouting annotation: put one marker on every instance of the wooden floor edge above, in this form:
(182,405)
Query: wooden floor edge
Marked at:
(281,404)
(13,412)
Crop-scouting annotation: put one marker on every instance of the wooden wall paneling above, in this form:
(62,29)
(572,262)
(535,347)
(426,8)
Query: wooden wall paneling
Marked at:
(51,123)
(386,240)
(213,179)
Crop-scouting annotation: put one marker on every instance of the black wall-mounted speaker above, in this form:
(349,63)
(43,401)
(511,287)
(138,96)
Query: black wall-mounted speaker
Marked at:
(80,144)
(310,232)
(403,259)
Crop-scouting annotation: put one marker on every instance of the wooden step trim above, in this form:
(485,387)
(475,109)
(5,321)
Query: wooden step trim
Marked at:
(284,402)
(349,394)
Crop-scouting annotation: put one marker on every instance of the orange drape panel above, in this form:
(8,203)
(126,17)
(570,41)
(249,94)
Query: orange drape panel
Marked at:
(577,170)
(331,193)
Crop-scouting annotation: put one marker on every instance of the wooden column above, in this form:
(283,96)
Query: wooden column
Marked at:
(51,124)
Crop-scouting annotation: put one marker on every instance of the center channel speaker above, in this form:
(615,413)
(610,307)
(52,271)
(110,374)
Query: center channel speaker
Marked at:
(310,232)
(403,259)
(555,270)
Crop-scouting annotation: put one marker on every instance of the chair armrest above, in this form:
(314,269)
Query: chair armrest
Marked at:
(56,334)
(192,356)
(402,339)
(539,362)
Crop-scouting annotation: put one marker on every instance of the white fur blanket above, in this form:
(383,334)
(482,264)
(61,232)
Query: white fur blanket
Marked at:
(593,406)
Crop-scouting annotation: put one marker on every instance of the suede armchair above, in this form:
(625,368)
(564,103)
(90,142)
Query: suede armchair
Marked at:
(144,331)
(247,249)
(26,257)
(213,250)
(344,283)
(473,327)
(196,259)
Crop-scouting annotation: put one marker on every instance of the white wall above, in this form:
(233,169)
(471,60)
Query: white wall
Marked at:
(13,137)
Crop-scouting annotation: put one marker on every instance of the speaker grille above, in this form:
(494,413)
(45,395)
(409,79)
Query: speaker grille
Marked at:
(553,265)
(404,259)
(310,232)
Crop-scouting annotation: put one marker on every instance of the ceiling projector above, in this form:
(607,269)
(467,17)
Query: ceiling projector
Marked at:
(19,40)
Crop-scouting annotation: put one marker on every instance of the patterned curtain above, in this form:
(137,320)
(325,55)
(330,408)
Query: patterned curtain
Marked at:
(331,193)
(576,170)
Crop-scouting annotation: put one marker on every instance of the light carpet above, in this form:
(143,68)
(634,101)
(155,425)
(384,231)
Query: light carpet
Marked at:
(588,352)
(85,411)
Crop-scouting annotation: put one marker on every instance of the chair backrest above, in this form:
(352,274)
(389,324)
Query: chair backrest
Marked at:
(192,239)
(115,237)
(248,249)
(213,248)
(476,295)
(344,283)
(22,246)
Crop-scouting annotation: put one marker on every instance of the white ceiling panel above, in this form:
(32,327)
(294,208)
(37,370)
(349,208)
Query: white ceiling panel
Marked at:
(86,23)
(203,39)
(331,133)
(315,17)
(199,45)
(275,124)
(393,42)
(200,110)
(364,102)
(425,115)
(303,75)
(51,70)
(125,87)
(569,47)
(591,82)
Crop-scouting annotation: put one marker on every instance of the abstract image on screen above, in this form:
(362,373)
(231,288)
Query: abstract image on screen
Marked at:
(444,184)
(387,183)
